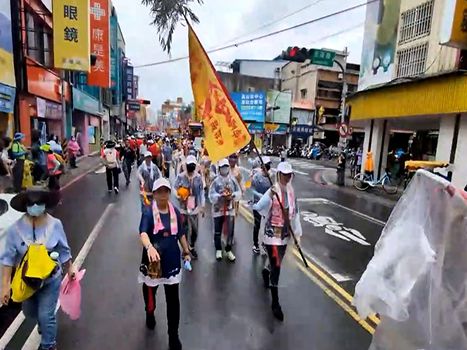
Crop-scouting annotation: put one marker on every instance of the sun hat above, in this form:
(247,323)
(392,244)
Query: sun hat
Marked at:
(191,160)
(161,182)
(19,136)
(223,162)
(266,159)
(147,154)
(284,168)
(37,195)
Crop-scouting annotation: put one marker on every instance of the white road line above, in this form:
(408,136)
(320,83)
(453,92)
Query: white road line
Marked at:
(327,201)
(34,339)
(300,172)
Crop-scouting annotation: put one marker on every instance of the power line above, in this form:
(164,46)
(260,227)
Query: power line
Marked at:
(263,36)
(268,24)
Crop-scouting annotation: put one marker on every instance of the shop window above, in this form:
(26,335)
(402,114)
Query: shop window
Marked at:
(92,133)
(416,22)
(39,40)
(411,61)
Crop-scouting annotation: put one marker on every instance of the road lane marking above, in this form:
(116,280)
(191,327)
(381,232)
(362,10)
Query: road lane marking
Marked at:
(356,212)
(76,179)
(34,339)
(300,172)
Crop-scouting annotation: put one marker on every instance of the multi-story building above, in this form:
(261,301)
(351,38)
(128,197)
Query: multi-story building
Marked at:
(412,87)
(316,87)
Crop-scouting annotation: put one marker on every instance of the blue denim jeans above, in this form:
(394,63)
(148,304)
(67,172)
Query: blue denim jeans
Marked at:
(41,307)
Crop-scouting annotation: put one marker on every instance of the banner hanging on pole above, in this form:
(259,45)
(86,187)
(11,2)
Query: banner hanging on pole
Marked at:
(71,35)
(225,133)
(100,43)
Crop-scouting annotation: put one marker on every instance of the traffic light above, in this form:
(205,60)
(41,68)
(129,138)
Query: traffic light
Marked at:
(295,54)
(144,102)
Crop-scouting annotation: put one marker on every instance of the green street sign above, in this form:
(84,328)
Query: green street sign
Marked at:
(322,57)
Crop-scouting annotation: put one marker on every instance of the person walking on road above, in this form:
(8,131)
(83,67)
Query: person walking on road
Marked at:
(259,185)
(73,151)
(190,194)
(54,168)
(110,158)
(36,227)
(148,173)
(161,230)
(167,154)
(128,158)
(223,193)
(18,153)
(277,233)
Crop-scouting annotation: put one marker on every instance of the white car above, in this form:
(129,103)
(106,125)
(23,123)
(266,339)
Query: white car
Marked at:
(7,217)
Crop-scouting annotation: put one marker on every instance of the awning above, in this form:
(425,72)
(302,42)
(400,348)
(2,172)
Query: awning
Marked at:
(442,94)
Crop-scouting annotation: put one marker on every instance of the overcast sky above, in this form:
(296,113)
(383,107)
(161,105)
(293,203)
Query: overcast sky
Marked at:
(222,20)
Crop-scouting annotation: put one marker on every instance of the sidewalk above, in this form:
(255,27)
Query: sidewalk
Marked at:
(86,164)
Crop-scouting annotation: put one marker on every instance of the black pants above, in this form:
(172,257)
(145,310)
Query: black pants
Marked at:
(112,173)
(73,161)
(17,173)
(127,170)
(167,170)
(191,225)
(54,182)
(256,228)
(275,254)
(224,225)
(173,305)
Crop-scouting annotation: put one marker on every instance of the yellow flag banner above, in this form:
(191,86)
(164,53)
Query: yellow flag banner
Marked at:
(224,131)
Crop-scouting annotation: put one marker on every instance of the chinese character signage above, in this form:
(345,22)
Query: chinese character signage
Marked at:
(7,70)
(100,43)
(129,82)
(453,30)
(71,34)
(224,130)
(251,105)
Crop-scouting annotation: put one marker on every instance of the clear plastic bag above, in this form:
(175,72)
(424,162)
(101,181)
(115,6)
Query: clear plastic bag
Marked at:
(416,280)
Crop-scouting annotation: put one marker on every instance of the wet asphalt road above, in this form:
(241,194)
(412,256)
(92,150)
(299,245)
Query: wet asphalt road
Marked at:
(224,306)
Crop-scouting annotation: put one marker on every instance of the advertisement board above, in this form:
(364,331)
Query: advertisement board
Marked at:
(7,69)
(379,43)
(453,30)
(251,105)
(279,105)
(100,43)
(71,35)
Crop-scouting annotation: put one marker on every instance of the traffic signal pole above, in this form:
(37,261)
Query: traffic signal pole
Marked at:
(342,140)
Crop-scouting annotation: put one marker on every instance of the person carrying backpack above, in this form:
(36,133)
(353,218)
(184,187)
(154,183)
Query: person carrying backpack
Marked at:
(110,158)
(37,247)
(18,153)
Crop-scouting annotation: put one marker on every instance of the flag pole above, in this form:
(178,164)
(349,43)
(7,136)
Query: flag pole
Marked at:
(286,218)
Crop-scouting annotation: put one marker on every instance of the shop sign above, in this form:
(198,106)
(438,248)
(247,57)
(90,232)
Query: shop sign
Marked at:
(251,105)
(453,30)
(100,43)
(7,70)
(48,110)
(275,129)
(71,34)
(7,98)
(255,128)
(44,83)
(302,130)
(85,103)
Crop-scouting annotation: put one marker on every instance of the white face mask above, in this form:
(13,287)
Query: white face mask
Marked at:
(224,171)
(36,210)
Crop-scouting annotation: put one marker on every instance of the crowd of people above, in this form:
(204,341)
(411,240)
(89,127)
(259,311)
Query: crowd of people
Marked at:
(176,179)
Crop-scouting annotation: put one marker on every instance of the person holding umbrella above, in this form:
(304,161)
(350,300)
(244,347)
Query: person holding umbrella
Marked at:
(37,227)
(161,230)
(223,194)
(279,206)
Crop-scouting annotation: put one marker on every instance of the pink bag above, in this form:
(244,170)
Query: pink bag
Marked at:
(70,295)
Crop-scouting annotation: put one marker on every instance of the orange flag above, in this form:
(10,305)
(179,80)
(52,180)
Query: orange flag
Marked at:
(224,131)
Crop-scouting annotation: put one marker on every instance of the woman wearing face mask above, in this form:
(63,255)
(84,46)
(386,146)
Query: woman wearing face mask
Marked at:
(277,232)
(161,231)
(259,185)
(73,151)
(223,193)
(190,193)
(36,226)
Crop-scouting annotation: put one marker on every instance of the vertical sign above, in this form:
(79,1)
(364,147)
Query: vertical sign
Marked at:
(71,34)
(129,82)
(100,43)
(7,70)
(113,51)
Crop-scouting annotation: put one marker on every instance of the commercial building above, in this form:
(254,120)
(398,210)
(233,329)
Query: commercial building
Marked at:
(316,87)
(412,89)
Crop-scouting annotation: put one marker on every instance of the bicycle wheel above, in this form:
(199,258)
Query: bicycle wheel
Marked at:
(360,182)
(390,185)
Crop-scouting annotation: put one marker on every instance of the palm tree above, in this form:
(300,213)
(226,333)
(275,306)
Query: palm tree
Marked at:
(167,14)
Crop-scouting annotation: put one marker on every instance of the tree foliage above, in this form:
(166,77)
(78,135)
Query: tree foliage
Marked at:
(166,15)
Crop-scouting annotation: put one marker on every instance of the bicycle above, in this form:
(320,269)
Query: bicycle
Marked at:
(363,182)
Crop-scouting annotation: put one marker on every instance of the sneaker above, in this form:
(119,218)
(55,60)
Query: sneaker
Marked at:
(150,320)
(116,190)
(194,253)
(109,191)
(218,255)
(266,281)
(230,256)
(174,343)
(256,249)
(277,312)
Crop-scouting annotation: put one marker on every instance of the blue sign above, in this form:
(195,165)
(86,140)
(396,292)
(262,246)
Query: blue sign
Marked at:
(7,98)
(85,103)
(302,130)
(251,105)
(255,128)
